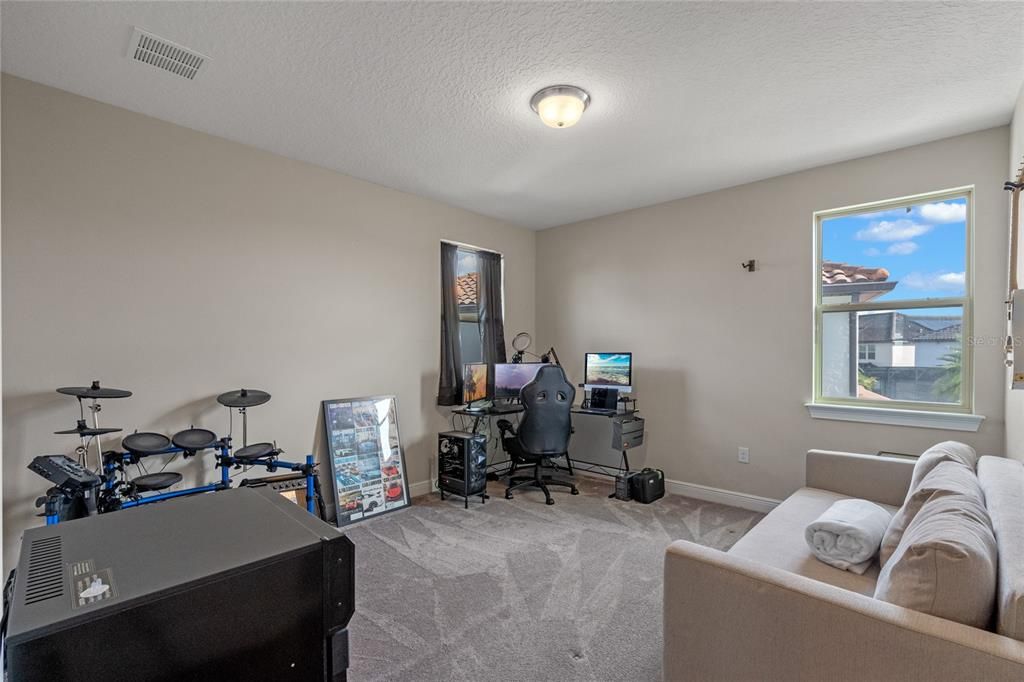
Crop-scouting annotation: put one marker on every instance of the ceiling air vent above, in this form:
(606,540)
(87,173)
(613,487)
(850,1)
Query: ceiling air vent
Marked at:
(45,578)
(163,54)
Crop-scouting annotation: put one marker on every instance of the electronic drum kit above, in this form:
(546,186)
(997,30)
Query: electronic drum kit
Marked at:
(79,491)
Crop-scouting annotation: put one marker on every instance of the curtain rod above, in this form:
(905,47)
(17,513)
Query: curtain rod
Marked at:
(470,246)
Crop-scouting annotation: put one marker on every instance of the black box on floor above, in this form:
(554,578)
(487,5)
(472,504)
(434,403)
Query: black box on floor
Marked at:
(462,463)
(239,584)
(647,486)
(622,487)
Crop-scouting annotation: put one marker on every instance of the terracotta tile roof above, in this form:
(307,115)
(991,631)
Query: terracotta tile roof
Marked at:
(844,273)
(466,288)
(869,394)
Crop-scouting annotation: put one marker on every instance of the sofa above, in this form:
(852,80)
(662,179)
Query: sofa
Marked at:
(769,610)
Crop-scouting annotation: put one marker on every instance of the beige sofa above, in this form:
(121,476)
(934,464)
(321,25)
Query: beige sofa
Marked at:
(768,610)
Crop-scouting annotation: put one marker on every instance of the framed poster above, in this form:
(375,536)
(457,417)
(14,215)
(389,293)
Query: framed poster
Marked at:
(366,459)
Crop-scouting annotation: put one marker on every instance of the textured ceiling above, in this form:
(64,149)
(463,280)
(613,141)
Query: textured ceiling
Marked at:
(432,98)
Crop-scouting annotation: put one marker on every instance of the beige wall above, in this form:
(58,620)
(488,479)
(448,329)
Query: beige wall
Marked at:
(180,265)
(722,357)
(1015,399)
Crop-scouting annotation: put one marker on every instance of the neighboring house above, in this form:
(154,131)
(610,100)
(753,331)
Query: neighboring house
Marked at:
(903,340)
(845,283)
(884,355)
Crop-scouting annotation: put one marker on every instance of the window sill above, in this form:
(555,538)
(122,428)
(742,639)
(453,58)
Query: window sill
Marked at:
(952,421)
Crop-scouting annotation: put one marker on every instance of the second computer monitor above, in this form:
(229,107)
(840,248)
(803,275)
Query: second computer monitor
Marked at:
(608,370)
(510,378)
(474,382)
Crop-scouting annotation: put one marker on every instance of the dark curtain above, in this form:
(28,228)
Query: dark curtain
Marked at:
(492,318)
(449,387)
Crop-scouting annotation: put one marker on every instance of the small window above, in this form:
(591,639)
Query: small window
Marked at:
(893,303)
(467,288)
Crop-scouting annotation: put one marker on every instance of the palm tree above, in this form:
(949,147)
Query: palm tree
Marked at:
(865,381)
(948,385)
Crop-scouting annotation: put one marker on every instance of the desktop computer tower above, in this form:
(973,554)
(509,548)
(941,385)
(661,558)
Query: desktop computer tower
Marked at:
(239,584)
(462,463)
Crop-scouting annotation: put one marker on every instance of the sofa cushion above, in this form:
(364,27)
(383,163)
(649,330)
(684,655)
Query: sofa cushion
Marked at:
(1002,480)
(778,540)
(945,564)
(947,451)
(948,477)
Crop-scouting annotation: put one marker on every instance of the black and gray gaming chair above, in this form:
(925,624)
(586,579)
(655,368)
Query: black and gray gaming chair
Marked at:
(544,431)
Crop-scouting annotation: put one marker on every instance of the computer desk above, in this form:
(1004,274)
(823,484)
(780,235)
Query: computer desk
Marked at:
(607,469)
(496,469)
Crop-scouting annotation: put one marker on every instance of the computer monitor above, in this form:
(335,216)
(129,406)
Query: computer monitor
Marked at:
(608,370)
(510,378)
(474,382)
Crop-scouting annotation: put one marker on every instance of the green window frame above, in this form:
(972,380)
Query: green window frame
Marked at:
(965,403)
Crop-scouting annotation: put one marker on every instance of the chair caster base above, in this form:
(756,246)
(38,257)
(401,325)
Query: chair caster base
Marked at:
(508,496)
(549,501)
(574,491)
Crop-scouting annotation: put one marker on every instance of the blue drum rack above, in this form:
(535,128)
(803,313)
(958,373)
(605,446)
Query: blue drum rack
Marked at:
(116,461)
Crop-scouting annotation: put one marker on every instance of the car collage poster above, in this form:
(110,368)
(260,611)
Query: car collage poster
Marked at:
(366,457)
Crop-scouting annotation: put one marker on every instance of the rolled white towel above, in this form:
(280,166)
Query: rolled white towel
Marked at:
(848,534)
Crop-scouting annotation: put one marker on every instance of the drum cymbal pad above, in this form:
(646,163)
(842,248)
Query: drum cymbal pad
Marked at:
(245,397)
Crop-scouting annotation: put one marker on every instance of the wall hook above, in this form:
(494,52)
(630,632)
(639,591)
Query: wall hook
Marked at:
(750,265)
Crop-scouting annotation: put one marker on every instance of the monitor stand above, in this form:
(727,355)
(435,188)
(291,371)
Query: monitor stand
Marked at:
(474,406)
(604,398)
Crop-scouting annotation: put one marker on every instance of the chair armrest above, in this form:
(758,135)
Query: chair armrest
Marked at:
(729,618)
(868,477)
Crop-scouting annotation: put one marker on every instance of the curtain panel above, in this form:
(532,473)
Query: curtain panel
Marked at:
(449,388)
(492,315)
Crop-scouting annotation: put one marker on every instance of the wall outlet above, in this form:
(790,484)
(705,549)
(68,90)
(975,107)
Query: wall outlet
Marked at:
(744,455)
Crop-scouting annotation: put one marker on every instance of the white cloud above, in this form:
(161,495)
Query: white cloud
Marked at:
(892,231)
(902,249)
(936,281)
(872,252)
(944,212)
(467,262)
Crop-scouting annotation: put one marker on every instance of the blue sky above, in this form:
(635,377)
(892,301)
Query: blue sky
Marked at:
(467,263)
(923,248)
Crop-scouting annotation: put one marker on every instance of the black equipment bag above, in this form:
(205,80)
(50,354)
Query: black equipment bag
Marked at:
(647,485)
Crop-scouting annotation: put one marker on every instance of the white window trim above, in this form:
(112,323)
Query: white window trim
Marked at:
(957,417)
(952,421)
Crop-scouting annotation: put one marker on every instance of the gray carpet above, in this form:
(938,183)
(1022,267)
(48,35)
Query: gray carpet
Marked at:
(517,590)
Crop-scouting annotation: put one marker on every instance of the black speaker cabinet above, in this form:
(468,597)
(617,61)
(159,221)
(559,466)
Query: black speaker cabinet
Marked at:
(462,464)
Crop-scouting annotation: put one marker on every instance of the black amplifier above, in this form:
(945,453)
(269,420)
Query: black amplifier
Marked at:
(231,585)
(291,486)
(462,463)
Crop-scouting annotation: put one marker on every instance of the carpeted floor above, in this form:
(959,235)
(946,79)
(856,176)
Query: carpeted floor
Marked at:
(517,590)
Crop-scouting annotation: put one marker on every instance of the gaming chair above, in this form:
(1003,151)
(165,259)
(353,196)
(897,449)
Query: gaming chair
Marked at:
(544,431)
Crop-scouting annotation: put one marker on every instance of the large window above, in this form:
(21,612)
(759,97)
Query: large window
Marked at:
(893,303)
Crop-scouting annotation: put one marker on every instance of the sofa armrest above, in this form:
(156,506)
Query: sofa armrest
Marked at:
(729,618)
(868,477)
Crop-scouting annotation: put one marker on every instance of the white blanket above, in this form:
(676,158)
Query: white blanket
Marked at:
(848,534)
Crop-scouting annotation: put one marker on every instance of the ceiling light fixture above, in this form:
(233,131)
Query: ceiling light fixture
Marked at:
(560,106)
